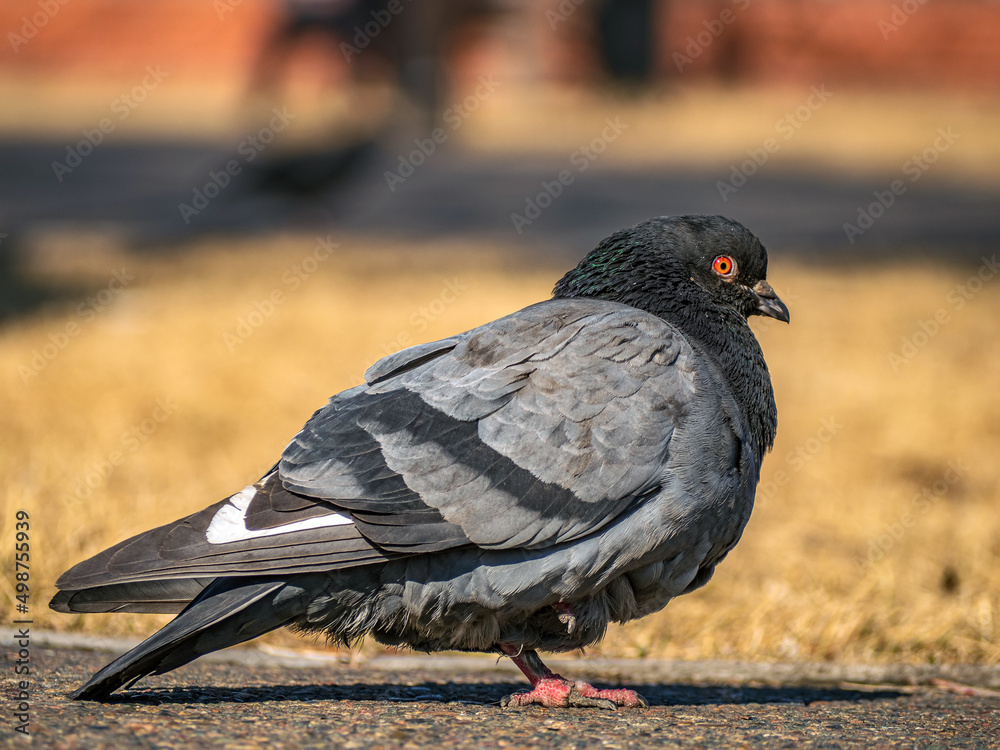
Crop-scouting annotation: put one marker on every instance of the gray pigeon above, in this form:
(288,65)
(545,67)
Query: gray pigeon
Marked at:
(512,488)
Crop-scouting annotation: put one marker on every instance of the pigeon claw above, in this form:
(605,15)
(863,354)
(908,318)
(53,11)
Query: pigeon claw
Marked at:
(566,616)
(554,691)
(557,692)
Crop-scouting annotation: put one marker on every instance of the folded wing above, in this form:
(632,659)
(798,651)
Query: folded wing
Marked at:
(532,431)
(535,430)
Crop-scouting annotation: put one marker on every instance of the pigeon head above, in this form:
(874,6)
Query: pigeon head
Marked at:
(705,275)
(676,266)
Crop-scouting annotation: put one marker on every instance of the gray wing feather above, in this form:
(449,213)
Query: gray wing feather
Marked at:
(158,596)
(533,430)
(181,549)
(406,359)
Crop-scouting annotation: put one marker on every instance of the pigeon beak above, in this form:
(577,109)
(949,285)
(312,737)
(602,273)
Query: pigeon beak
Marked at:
(768,303)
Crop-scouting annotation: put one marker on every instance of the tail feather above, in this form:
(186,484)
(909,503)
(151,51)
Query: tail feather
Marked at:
(227,612)
(168,596)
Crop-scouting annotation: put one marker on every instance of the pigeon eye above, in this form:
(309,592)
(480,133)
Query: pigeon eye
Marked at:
(724,266)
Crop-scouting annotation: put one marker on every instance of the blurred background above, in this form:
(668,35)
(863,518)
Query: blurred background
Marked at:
(214,214)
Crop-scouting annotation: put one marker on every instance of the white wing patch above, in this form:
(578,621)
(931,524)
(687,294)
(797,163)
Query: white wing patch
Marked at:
(229,524)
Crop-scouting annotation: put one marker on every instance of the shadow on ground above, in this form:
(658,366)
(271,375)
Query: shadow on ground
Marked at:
(491,694)
(162,192)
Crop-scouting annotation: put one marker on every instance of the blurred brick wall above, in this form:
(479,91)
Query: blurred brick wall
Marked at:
(112,38)
(934,43)
(943,44)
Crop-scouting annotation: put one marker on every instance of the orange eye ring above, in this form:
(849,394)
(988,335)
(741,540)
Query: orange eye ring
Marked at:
(724,266)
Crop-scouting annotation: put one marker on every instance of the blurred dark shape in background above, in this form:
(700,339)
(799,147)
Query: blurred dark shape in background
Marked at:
(412,53)
(626,33)
(301,22)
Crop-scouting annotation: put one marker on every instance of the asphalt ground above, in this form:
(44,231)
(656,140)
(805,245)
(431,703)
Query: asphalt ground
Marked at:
(244,698)
(136,189)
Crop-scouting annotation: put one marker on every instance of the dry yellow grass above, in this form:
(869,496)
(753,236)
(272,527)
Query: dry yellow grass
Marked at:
(857,442)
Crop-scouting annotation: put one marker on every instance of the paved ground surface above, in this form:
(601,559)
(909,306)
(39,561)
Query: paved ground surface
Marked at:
(244,699)
(137,188)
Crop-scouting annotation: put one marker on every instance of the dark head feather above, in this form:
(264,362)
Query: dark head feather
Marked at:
(665,266)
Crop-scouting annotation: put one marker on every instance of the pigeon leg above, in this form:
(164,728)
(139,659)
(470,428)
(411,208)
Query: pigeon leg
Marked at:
(554,691)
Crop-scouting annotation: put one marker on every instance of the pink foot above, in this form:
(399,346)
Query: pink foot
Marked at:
(553,691)
(557,692)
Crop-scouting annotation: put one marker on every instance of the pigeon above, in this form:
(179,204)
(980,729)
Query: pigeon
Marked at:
(510,489)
